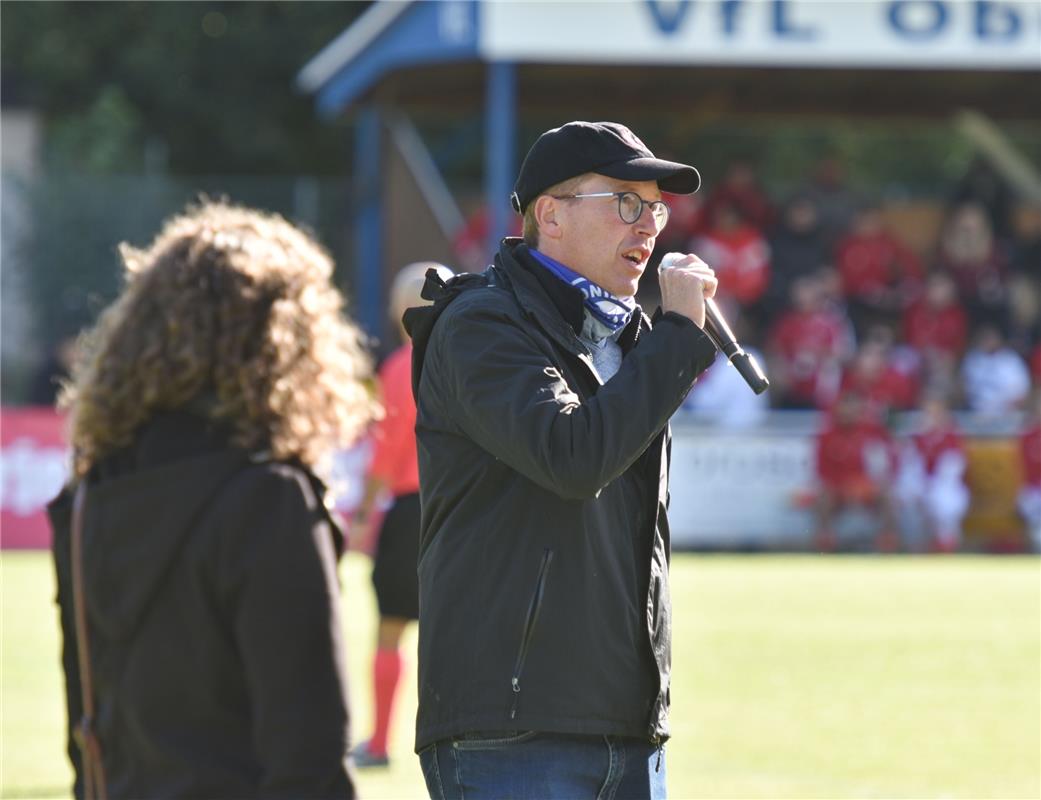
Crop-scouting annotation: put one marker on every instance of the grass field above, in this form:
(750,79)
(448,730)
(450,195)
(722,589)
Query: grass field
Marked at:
(795,677)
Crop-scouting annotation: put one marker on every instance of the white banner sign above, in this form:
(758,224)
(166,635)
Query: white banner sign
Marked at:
(740,490)
(955,34)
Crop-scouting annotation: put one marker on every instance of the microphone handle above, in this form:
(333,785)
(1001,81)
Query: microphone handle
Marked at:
(723,338)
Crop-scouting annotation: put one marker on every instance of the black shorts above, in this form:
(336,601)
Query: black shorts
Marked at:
(397,555)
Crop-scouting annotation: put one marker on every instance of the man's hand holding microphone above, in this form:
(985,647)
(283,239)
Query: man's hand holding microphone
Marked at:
(686,282)
(688,285)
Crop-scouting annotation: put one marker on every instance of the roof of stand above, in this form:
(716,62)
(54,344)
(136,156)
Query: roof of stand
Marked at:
(986,43)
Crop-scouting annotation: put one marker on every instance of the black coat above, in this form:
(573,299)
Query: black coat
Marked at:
(212,599)
(544,601)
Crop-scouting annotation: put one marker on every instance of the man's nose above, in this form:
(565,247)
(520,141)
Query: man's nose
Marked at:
(645,223)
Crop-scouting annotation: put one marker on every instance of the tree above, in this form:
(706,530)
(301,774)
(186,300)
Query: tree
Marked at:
(189,88)
(144,106)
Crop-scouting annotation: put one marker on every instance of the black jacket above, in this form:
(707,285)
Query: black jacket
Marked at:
(544,600)
(213,613)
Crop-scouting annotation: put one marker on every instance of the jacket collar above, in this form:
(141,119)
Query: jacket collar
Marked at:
(557,307)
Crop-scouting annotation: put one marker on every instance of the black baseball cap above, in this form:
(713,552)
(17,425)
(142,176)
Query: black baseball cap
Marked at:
(606,148)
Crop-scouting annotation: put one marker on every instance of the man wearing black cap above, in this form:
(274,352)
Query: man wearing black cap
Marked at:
(543,397)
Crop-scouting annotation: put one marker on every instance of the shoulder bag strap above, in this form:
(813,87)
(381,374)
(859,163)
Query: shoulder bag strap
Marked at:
(86,736)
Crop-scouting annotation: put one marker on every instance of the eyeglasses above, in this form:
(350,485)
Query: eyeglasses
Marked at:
(630,206)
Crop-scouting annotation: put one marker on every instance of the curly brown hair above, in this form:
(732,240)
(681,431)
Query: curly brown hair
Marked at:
(236,306)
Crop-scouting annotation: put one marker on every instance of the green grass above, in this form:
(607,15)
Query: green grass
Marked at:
(794,677)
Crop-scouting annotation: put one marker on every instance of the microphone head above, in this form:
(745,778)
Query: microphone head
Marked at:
(670,260)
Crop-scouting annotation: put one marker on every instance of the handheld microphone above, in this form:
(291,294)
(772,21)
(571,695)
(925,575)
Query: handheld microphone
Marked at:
(723,338)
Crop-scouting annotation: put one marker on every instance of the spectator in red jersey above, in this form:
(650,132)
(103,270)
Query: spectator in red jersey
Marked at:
(931,477)
(1035,364)
(807,347)
(995,379)
(471,241)
(883,376)
(1029,500)
(395,471)
(880,275)
(740,189)
(740,256)
(970,253)
(686,220)
(936,326)
(854,468)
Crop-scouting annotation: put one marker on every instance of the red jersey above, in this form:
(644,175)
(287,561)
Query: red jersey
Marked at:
(471,241)
(871,264)
(394,457)
(1035,364)
(1030,451)
(686,220)
(932,444)
(856,453)
(936,329)
(894,389)
(741,259)
(807,342)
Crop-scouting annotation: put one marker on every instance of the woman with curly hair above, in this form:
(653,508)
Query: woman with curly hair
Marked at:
(206,400)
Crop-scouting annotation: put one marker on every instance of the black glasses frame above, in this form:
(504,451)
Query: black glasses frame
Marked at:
(661,218)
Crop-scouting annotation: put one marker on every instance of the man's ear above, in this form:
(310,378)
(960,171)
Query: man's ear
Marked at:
(547,215)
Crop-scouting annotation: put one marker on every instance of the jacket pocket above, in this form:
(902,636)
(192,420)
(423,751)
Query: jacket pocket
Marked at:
(529,628)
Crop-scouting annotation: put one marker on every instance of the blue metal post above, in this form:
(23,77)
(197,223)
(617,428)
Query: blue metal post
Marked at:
(500,109)
(368,222)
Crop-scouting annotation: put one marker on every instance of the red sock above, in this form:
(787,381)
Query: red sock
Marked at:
(386,669)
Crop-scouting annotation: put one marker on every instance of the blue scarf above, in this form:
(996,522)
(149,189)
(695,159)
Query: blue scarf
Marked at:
(613,312)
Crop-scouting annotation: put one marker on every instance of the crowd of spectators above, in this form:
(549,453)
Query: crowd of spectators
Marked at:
(836,300)
(859,325)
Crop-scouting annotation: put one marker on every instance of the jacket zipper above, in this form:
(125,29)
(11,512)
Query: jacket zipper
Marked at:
(652,725)
(529,627)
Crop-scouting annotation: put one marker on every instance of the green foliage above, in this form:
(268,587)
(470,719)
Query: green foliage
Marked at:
(199,87)
(84,218)
(67,264)
(889,158)
(104,139)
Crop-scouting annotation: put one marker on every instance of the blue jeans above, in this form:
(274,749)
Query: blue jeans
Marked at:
(527,765)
